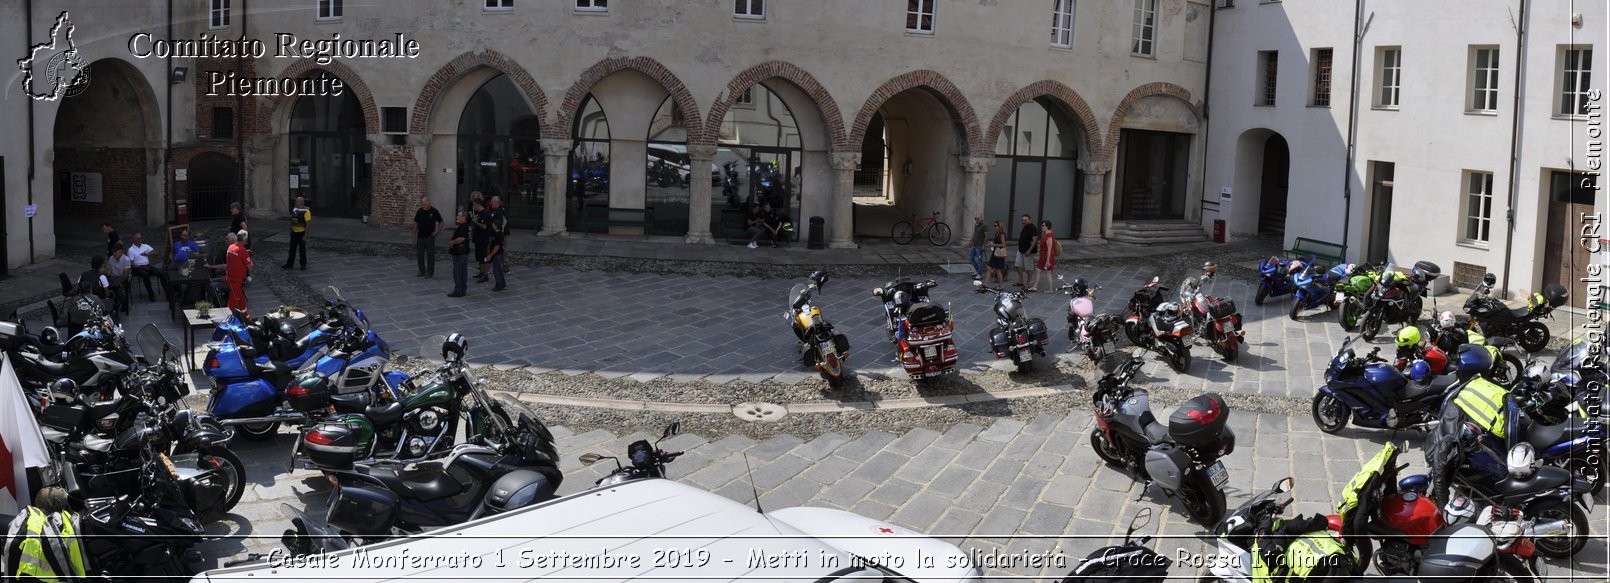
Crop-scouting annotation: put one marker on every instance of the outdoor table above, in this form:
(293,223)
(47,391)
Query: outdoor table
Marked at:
(193,322)
(180,284)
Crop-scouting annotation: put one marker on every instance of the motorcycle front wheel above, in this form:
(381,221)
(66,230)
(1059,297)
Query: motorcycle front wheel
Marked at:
(1263,293)
(231,470)
(1347,316)
(1506,371)
(1106,450)
(1330,414)
(1371,327)
(1202,502)
(1133,332)
(1533,337)
(1179,357)
(1296,307)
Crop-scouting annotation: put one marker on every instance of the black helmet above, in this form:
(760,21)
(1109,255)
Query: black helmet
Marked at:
(63,388)
(819,277)
(455,347)
(1079,287)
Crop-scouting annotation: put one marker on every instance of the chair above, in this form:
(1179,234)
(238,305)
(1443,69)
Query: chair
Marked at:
(66,285)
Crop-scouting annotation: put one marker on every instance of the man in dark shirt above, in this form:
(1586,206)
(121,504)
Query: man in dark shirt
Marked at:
(459,249)
(480,233)
(755,223)
(237,220)
(774,226)
(1025,251)
(494,254)
(112,240)
(427,223)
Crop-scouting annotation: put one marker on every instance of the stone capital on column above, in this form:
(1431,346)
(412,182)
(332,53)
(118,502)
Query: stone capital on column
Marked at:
(701,152)
(1095,167)
(978,164)
(556,148)
(845,160)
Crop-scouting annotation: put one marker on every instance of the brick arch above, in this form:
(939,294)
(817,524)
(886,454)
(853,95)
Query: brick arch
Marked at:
(1110,151)
(681,97)
(1066,98)
(788,72)
(349,77)
(940,87)
(425,104)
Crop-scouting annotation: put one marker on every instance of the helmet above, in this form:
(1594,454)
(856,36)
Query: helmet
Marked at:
(1474,359)
(64,388)
(1295,266)
(1521,459)
(1351,268)
(50,336)
(1210,268)
(1080,287)
(1457,509)
(1420,371)
(1447,321)
(1409,336)
(819,277)
(455,347)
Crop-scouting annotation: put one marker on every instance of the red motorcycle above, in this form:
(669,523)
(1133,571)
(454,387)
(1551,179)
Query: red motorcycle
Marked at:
(1214,319)
(920,329)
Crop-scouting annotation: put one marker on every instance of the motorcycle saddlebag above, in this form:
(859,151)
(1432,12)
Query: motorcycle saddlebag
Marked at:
(308,394)
(364,510)
(1424,272)
(998,342)
(1039,332)
(1200,421)
(63,417)
(1221,308)
(1167,464)
(336,442)
(206,498)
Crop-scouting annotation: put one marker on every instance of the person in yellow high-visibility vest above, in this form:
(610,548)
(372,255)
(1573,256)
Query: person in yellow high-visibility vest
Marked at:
(42,543)
(1477,408)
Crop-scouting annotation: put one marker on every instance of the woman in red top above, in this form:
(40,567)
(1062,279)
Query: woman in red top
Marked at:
(1046,263)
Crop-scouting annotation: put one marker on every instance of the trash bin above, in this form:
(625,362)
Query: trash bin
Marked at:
(1218,231)
(817,240)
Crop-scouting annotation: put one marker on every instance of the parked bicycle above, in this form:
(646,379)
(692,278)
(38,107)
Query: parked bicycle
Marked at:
(937,232)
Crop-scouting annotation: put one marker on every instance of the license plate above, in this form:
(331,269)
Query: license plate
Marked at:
(1023,354)
(1218,474)
(1340,297)
(930,351)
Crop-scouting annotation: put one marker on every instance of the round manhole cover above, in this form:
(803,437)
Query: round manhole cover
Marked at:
(759,411)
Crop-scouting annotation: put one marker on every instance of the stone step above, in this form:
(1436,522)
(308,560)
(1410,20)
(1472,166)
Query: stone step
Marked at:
(1157,225)
(1153,240)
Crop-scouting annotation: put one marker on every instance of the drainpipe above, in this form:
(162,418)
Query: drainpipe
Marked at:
(28,19)
(1207,90)
(1515,143)
(1352,126)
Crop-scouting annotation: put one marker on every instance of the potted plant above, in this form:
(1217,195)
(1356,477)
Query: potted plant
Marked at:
(204,308)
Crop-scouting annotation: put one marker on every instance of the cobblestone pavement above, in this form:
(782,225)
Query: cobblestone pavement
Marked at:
(619,324)
(1008,487)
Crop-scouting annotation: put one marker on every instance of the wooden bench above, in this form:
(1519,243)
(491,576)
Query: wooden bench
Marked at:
(1333,252)
(601,216)
(732,226)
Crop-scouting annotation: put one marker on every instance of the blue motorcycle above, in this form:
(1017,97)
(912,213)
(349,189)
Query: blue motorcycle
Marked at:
(276,340)
(1315,287)
(1374,394)
(1276,280)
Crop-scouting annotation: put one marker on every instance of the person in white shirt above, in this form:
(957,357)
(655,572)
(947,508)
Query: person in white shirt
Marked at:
(140,255)
(119,262)
(120,267)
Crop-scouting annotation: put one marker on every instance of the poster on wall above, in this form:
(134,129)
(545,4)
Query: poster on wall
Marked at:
(295,184)
(86,187)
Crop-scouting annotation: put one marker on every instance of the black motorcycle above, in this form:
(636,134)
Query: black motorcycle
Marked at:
(1015,335)
(1395,299)
(1162,330)
(648,460)
(1522,324)
(1183,458)
(146,531)
(1131,561)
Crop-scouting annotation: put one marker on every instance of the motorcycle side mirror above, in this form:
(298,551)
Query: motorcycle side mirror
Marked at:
(588,459)
(978,283)
(1141,519)
(1155,279)
(672,430)
(877,291)
(1489,279)
(1285,485)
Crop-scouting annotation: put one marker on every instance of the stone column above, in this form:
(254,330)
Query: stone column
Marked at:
(699,160)
(556,170)
(1095,210)
(841,233)
(977,169)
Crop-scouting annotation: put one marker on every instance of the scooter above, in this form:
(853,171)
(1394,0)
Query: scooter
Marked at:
(1275,279)
(1183,458)
(1214,319)
(1523,324)
(921,330)
(648,460)
(1015,335)
(1372,393)
(1256,544)
(821,347)
(1095,334)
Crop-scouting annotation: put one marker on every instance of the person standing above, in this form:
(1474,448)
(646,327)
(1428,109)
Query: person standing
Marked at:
(140,256)
(500,215)
(300,217)
(112,240)
(1049,248)
(997,256)
(237,265)
(494,254)
(427,224)
(42,544)
(480,234)
(1024,262)
(459,249)
(237,221)
(975,254)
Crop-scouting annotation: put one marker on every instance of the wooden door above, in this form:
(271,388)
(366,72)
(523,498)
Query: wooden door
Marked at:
(1565,255)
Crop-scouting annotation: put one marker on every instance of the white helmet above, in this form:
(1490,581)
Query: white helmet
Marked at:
(1447,321)
(1522,461)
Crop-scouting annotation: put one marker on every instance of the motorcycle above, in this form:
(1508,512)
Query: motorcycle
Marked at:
(516,467)
(1418,539)
(1141,305)
(769,186)
(97,358)
(1214,319)
(1130,561)
(648,460)
(276,340)
(1374,394)
(1522,324)
(1183,458)
(1353,285)
(1015,335)
(1086,329)
(146,531)
(1507,366)
(921,330)
(1313,285)
(821,347)
(1275,279)
(420,420)
(1255,543)
(1582,368)
(1559,431)
(1395,299)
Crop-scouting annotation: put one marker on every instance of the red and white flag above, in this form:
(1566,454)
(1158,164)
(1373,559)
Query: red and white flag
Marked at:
(21,444)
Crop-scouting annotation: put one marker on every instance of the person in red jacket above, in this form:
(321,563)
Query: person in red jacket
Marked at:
(237,266)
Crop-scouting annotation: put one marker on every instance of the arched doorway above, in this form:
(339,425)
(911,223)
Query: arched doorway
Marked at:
(923,136)
(589,162)
(500,151)
(668,175)
(1037,170)
(214,183)
(330,159)
(1274,185)
(1154,157)
(761,144)
(105,139)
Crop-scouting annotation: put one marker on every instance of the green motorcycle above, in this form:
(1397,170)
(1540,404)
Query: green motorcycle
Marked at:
(1350,293)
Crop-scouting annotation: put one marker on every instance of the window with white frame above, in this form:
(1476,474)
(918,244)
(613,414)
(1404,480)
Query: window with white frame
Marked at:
(1144,30)
(1576,66)
(1062,23)
(1269,69)
(329,10)
(1321,78)
(1478,207)
(755,9)
(1388,76)
(745,99)
(499,5)
(1483,79)
(217,14)
(920,16)
(592,5)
